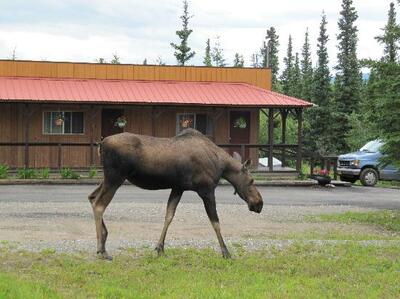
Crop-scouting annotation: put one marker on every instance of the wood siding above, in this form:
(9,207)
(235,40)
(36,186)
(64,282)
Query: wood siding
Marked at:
(139,121)
(255,76)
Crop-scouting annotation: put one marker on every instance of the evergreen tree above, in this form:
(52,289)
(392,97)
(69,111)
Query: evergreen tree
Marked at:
(269,54)
(306,70)
(217,54)
(255,61)
(348,77)
(207,57)
(238,61)
(145,61)
(321,94)
(297,78)
(390,37)
(317,133)
(115,59)
(287,74)
(183,52)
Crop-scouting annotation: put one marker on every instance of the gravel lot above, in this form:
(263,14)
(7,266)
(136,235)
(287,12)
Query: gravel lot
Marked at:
(37,217)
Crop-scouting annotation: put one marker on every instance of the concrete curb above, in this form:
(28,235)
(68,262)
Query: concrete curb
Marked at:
(278,183)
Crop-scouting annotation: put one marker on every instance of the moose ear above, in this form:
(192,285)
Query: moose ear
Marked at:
(237,157)
(246,165)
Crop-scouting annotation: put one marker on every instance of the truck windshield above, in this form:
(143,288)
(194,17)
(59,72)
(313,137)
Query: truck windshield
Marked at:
(372,146)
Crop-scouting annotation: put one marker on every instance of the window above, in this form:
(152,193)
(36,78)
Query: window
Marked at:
(63,122)
(199,121)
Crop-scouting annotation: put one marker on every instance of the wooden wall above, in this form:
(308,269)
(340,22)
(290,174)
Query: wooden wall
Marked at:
(255,76)
(139,121)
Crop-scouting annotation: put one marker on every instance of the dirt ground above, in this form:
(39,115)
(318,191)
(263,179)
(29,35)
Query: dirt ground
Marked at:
(60,217)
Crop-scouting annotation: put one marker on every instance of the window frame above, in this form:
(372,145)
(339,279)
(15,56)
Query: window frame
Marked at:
(177,131)
(62,133)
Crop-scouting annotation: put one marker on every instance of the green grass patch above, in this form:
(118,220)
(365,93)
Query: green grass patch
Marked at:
(386,219)
(301,270)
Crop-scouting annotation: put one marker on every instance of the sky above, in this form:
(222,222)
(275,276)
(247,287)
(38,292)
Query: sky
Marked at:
(84,30)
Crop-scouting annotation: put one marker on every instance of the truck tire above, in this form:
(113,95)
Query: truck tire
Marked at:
(369,177)
(349,179)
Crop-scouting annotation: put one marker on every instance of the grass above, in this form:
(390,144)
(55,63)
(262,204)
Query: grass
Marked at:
(3,171)
(299,271)
(26,173)
(386,219)
(67,173)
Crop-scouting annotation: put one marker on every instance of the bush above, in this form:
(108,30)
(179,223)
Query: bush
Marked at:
(3,171)
(92,172)
(44,173)
(67,173)
(26,173)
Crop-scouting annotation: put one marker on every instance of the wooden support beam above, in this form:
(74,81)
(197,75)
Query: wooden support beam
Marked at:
(26,135)
(92,125)
(153,121)
(299,113)
(284,114)
(270,138)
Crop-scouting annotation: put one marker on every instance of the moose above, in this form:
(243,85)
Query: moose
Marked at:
(188,161)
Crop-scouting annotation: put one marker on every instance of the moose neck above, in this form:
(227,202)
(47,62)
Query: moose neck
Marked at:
(232,172)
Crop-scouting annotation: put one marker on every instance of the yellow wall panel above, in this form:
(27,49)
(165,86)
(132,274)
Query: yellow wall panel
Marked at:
(255,76)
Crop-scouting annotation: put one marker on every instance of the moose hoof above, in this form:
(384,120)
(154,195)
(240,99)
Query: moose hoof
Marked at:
(226,254)
(104,256)
(160,250)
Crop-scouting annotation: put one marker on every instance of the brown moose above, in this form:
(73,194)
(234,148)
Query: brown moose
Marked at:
(188,161)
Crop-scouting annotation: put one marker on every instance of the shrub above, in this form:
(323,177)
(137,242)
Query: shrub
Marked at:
(67,173)
(26,173)
(44,173)
(92,172)
(3,171)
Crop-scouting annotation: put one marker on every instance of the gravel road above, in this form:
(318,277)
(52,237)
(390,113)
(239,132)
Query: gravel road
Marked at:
(35,217)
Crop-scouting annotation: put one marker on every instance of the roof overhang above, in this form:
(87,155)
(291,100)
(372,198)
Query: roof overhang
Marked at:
(136,92)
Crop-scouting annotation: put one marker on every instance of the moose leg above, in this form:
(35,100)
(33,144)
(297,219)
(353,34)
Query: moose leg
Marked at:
(103,197)
(211,209)
(173,201)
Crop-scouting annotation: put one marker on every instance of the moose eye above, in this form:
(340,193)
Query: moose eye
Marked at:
(251,182)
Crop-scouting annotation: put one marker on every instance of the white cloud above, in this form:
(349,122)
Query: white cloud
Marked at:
(87,29)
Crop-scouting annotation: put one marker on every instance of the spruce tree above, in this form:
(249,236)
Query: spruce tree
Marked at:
(306,70)
(238,61)
(217,54)
(348,77)
(297,78)
(321,93)
(287,74)
(269,53)
(115,59)
(390,37)
(207,56)
(183,52)
(317,132)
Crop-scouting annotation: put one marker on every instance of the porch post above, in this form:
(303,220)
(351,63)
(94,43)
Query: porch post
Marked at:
(299,138)
(284,114)
(26,135)
(92,122)
(153,121)
(270,138)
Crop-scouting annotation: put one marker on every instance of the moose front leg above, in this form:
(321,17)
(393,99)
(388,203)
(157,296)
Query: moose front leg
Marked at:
(100,199)
(173,201)
(211,209)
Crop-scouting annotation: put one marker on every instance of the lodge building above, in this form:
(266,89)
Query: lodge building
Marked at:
(52,114)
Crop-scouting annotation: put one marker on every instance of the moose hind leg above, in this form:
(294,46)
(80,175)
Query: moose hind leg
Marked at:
(211,209)
(173,201)
(99,204)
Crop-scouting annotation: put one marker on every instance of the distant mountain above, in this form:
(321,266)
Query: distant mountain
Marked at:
(364,76)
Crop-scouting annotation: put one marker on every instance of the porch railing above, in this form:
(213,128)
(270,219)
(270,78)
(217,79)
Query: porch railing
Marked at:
(283,151)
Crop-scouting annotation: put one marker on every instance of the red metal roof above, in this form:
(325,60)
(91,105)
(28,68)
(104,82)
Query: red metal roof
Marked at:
(97,91)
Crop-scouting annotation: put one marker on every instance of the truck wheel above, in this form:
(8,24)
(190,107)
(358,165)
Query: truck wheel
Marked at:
(369,177)
(349,179)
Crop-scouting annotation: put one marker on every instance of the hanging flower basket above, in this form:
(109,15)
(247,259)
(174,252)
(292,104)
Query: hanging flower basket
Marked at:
(186,123)
(59,121)
(240,123)
(120,122)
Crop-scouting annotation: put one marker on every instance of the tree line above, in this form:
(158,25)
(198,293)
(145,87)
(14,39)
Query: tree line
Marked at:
(348,111)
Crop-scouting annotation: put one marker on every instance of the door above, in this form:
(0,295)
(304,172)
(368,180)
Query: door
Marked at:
(108,122)
(239,131)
